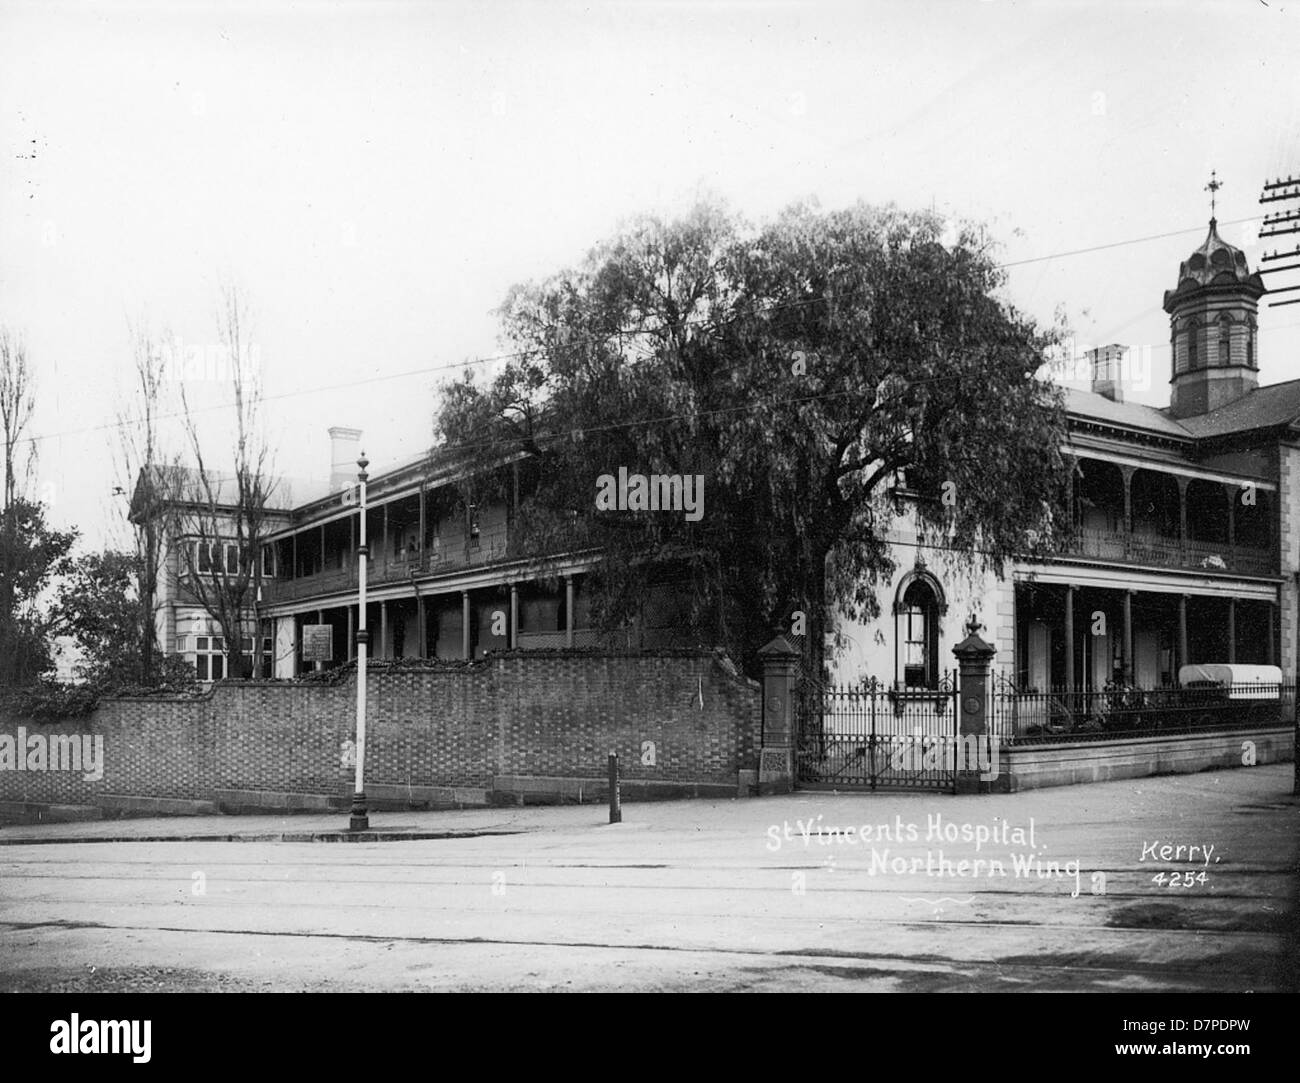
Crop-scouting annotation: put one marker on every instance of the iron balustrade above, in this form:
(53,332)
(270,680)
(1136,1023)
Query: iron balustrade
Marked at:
(1123,711)
(1163,552)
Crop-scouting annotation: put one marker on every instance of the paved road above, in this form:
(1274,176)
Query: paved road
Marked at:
(690,895)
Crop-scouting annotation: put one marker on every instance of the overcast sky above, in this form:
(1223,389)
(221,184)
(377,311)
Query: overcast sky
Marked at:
(376,176)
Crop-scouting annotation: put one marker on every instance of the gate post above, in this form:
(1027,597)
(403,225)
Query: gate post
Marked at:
(973,656)
(776,746)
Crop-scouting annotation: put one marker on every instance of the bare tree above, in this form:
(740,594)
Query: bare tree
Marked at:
(16,405)
(219,519)
(142,467)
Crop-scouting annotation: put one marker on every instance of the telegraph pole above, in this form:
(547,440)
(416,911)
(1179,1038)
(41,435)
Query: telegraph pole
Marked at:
(360,820)
(1281,223)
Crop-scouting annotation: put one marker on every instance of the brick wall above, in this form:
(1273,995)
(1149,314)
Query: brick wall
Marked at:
(541,714)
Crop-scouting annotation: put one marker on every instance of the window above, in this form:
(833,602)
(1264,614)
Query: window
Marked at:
(1225,339)
(1193,361)
(225,557)
(916,616)
(915,646)
(209,658)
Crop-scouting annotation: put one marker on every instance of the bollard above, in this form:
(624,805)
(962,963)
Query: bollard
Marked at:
(615,803)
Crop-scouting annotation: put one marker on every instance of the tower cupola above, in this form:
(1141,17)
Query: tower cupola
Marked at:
(1212,328)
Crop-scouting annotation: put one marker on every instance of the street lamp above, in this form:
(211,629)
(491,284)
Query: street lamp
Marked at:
(360,821)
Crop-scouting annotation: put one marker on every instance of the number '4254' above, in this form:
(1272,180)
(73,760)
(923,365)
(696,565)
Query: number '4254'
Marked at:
(1179,879)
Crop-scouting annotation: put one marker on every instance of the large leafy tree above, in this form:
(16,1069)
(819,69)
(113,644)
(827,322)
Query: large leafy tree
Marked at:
(97,603)
(32,556)
(32,553)
(826,373)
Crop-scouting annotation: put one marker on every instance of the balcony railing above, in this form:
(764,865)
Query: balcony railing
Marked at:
(1162,552)
(488,548)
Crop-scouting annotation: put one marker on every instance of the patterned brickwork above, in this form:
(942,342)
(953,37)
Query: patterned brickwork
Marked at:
(535,713)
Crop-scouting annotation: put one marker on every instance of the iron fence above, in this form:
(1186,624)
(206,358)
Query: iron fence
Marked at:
(868,736)
(1064,714)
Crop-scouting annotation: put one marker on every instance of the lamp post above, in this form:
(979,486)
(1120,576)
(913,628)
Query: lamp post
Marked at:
(360,821)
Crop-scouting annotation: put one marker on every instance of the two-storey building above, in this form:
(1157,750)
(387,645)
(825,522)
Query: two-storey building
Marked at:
(1184,540)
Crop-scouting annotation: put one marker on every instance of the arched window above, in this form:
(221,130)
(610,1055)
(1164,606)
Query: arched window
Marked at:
(916,621)
(1250,342)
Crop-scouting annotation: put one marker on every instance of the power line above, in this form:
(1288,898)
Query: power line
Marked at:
(702,321)
(1121,244)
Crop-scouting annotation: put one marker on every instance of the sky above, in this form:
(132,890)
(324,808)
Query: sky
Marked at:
(375,177)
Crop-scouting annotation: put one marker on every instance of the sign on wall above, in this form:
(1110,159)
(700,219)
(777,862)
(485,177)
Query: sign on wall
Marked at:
(318,643)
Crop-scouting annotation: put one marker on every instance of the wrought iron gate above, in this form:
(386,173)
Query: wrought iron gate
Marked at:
(867,737)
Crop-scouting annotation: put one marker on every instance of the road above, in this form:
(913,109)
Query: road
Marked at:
(691,895)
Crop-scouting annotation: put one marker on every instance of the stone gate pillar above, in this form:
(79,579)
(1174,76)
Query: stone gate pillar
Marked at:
(973,657)
(780,687)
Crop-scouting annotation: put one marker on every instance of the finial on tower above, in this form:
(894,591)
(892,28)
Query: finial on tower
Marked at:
(1213,188)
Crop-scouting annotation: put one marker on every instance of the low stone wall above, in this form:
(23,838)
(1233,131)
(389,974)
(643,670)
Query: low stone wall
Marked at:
(1034,766)
(535,725)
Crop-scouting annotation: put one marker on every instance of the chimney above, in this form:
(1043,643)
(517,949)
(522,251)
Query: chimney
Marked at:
(345,450)
(1107,370)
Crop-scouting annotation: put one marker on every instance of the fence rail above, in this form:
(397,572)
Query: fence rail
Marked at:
(1039,717)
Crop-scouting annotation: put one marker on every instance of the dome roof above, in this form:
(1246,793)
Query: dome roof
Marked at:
(1215,263)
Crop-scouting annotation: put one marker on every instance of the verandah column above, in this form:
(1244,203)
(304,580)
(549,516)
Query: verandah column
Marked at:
(1183,482)
(1183,659)
(1232,490)
(1232,630)
(420,618)
(568,611)
(514,616)
(1127,645)
(464,624)
(1127,472)
(1069,639)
